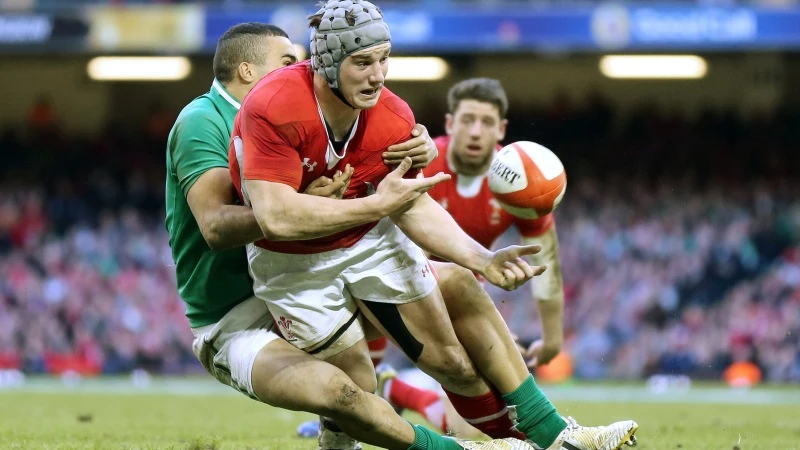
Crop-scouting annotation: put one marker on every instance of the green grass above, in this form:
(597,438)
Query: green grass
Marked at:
(80,420)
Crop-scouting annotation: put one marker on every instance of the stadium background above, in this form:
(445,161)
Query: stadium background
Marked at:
(680,230)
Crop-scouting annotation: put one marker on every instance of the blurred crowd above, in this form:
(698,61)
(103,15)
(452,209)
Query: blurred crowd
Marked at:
(679,240)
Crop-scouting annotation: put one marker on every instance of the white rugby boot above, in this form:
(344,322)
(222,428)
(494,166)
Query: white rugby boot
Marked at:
(608,437)
(331,437)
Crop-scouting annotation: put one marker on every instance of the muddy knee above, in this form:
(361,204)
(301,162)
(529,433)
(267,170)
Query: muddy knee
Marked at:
(452,364)
(341,396)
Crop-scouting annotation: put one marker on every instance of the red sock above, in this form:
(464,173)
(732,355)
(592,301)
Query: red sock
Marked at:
(377,349)
(487,412)
(425,402)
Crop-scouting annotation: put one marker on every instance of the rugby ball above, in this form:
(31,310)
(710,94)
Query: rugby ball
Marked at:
(527,179)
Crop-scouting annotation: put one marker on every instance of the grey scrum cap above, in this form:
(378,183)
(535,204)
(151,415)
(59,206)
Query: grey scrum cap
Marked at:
(347,26)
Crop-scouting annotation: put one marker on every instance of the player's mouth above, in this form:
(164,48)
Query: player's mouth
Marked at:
(474,149)
(370,93)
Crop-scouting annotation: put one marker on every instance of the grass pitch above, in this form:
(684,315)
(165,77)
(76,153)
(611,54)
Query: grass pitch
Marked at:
(202,416)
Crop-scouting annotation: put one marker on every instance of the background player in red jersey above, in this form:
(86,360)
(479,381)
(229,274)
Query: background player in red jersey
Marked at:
(475,125)
(322,260)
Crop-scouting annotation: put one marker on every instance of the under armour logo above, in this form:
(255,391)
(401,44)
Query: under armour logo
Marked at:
(307,163)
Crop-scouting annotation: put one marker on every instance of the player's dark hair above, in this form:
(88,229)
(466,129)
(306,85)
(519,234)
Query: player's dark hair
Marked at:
(239,44)
(486,90)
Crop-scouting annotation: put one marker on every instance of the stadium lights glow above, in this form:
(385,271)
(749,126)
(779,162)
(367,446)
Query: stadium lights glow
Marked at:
(653,66)
(417,68)
(139,68)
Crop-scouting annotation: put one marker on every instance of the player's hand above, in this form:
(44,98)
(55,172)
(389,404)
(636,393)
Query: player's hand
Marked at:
(420,148)
(397,194)
(539,353)
(331,188)
(508,269)
(343,177)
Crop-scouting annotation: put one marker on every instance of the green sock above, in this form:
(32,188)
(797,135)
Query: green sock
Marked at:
(536,416)
(425,439)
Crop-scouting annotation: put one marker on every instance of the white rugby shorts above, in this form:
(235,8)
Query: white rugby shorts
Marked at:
(312,297)
(228,348)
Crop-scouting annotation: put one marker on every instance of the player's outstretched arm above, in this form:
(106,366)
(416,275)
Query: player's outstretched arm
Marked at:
(431,227)
(285,215)
(548,291)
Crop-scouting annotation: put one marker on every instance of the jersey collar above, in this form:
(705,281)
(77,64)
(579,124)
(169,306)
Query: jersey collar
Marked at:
(217,89)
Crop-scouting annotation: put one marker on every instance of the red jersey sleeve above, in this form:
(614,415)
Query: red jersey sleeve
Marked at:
(534,227)
(268,150)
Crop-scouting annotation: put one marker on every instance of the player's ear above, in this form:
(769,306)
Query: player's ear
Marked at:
(448,124)
(246,72)
(502,133)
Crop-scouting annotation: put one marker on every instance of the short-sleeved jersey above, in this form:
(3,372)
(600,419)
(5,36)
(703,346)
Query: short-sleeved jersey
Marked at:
(472,205)
(280,136)
(209,282)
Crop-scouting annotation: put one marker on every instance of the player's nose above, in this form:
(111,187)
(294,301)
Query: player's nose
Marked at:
(376,75)
(475,129)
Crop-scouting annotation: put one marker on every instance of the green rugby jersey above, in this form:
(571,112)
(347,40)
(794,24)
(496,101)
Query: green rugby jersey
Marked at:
(210,282)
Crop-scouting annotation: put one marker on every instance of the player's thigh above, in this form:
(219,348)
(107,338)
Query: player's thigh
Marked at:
(421,329)
(286,377)
(228,349)
(355,361)
(308,299)
(396,288)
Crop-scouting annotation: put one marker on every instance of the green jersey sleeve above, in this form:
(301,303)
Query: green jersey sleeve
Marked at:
(200,143)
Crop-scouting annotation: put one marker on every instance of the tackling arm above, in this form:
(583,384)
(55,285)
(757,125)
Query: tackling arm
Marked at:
(223,224)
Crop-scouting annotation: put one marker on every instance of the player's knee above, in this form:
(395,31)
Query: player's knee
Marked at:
(366,381)
(454,364)
(452,275)
(462,292)
(343,394)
